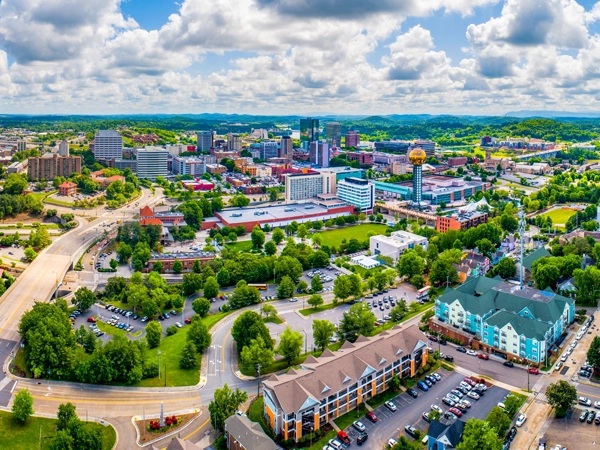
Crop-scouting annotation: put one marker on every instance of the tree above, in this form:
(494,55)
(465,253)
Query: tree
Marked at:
(317,239)
(66,412)
(545,275)
(593,353)
(286,288)
(199,335)
(258,237)
(480,435)
(243,295)
(189,356)
(258,352)
(197,266)
(153,334)
(149,307)
(30,254)
(342,287)
(398,312)
(290,345)
(270,248)
(225,403)
(499,420)
(410,264)
(201,306)
(268,310)
(287,265)
(323,331)
(278,236)
(157,267)
(302,231)
(417,281)
(506,268)
(84,298)
(358,320)
(223,277)
(509,223)
(485,247)
(192,283)
(22,407)
(15,184)
(124,251)
(177,266)
(248,326)
(113,263)
(442,271)
(316,283)
(211,288)
(562,395)
(62,441)
(302,286)
(315,300)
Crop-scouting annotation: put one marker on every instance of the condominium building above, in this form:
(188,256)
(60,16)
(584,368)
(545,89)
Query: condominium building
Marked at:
(352,139)
(152,162)
(396,244)
(287,149)
(63,148)
(333,133)
(108,144)
(234,142)
(192,165)
(205,140)
(269,149)
(357,192)
(461,221)
(319,153)
(501,318)
(303,186)
(176,149)
(324,388)
(51,165)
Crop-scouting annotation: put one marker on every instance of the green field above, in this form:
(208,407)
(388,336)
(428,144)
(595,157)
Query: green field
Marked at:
(27,437)
(334,238)
(560,216)
(241,246)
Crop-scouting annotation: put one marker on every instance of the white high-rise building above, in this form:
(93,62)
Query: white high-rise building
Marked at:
(152,162)
(63,148)
(205,140)
(108,144)
(304,186)
(192,165)
(357,192)
(21,145)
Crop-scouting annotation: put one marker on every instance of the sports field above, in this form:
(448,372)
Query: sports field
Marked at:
(560,216)
(334,237)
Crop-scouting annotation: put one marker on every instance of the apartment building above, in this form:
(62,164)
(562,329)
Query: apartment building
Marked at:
(363,158)
(357,192)
(327,387)
(518,324)
(396,244)
(192,165)
(63,148)
(352,139)
(21,145)
(304,186)
(269,149)
(67,189)
(234,142)
(51,165)
(286,149)
(108,144)
(462,221)
(152,162)
(319,153)
(205,140)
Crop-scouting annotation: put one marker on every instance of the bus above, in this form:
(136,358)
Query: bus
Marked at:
(260,287)
(423,294)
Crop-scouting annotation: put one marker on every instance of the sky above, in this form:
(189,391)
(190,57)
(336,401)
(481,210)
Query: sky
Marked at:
(278,57)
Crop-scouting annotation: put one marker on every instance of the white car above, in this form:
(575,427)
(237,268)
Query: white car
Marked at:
(481,386)
(359,425)
(392,442)
(436,408)
(564,357)
(295,299)
(597,405)
(471,352)
(390,406)
(558,366)
(473,395)
(521,420)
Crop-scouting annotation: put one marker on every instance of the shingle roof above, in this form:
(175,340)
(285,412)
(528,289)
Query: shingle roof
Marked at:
(530,259)
(452,432)
(146,211)
(248,433)
(341,369)
(533,329)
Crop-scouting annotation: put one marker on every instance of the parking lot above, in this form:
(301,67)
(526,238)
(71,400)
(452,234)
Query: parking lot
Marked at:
(570,432)
(409,410)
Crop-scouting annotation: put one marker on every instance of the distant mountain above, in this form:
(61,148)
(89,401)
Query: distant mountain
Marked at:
(552,114)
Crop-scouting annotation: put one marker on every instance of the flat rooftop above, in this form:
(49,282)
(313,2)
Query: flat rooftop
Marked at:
(182,255)
(527,292)
(279,212)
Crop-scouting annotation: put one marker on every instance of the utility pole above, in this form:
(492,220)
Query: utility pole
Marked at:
(159,364)
(258,367)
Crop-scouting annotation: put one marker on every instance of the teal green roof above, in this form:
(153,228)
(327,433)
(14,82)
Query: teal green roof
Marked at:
(538,254)
(532,329)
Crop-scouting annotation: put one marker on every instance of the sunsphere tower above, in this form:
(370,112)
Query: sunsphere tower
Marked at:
(417,157)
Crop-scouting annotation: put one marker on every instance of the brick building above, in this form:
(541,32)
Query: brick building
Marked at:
(461,221)
(187,260)
(457,161)
(67,188)
(52,165)
(363,158)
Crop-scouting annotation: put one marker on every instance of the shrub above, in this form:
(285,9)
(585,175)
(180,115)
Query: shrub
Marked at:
(150,370)
(171,330)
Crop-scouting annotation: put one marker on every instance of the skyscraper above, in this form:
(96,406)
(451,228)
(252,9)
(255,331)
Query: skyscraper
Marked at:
(417,157)
(108,144)
(205,140)
(352,139)
(63,148)
(319,153)
(268,149)
(309,131)
(333,133)
(234,142)
(287,148)
(152,162)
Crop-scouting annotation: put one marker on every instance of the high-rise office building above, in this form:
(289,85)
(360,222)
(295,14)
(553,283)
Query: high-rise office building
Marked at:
(205,140)
(286,148)
(108,144)
(309,131)
(63,148)
(152,162)
(51,165)
(357,192)
(234,142)
(269,149)
(319,153)
(427,146)
(333,133)
(352,139)
(303,186)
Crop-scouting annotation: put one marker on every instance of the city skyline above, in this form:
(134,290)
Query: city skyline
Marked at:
(298,57)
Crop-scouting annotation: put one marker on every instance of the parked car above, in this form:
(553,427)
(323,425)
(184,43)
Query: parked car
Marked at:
(471,353)
(584,401)
(436,408)
(511,434)
(412,393)
(361,438)
(437,376)
(591,416)
(521,420)
(457,412)
(359,425)
(91,320)
(474,395)
(372,417)
(410,430)
(188,321)
(421,385)
(448,415)
(483,356)
(342,436)
(508,364)
(425,416)
(583,415)
(392,443)
(461,350)
(449,358)
(391,406)
(449,402)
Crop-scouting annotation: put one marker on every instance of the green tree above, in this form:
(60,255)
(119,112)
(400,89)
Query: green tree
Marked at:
(62,441)
(22,407)
(201,306)
(199,335)
(290,345)
(258,237)
(149,307)
(270,248)
(84,298)
(480,435)
(398,312)
(153,334)
(342,287)
(442,271)
(358,320)
(302,231)
(243,295)
(562,395)
(66,412)
(177,266)
(498,419)
(315,300)
(278,236)
(258,352)
(410,264)
(223,277)
(302,286)
(189,356)
(197,266)
(485,247)
(268,310)
(211,288)
(323,331)
(506,268)
(30,254)
(124,251)
(113,263)
(316,284)
(288,266)
(545,275)
(157,267)
(192,283)
(593,353)
(225,403)
(248,326)
(417,281)
(285,288)
(15,184)
(317,239)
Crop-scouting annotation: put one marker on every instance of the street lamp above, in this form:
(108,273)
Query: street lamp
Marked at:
(305,341)
(159,364)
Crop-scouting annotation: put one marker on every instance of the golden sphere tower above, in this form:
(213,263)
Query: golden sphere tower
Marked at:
(417,157)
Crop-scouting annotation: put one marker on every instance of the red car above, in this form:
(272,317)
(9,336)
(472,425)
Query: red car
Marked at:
(468,380)
(457,412)
(533,371)
(372,417)
(188,321)
(91,320)
(483,356)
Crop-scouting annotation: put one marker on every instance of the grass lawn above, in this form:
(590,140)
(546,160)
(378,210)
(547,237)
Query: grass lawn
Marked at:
(334,237)
(346,420)
(241,246)
(390,324)
(21,364)
(381,398)
(27,437)
(276,320)
(560,215)
(309,311)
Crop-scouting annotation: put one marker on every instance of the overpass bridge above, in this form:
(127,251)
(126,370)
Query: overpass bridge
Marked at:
(407,213)
(546,154)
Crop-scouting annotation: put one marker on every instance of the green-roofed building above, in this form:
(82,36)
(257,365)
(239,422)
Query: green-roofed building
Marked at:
(522,324)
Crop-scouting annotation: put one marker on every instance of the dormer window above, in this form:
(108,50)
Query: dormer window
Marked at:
(325,389)
(346,379)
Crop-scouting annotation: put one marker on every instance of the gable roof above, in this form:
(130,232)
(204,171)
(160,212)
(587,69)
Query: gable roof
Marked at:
(537,254)
(533,329)
(150,221)
(146,211)
(179,444)
(450,434)
(248,433)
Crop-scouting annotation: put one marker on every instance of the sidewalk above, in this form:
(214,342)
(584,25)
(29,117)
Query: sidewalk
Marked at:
(537,414)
